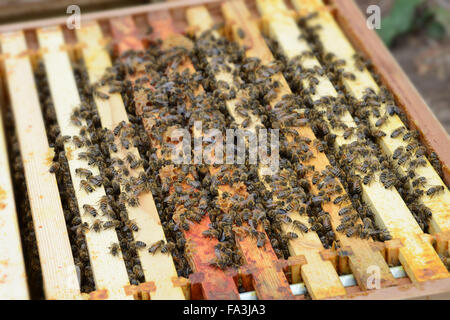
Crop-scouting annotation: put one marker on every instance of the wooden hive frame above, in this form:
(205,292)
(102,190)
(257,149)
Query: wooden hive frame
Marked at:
(317,268)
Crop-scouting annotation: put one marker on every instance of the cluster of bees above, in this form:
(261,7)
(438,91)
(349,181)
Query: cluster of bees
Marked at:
(410,185)
(160,96)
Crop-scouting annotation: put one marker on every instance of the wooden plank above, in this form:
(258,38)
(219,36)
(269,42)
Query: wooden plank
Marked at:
(269,281)
(362,257)
(58,269)
(109,272)
(399,221)
(215,284)
(13,279)
(418,112)
(158,268)
(26,9)
(335,41)
(319,276)
(104,14)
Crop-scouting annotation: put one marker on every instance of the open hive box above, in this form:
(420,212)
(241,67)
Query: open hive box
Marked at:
(41,61)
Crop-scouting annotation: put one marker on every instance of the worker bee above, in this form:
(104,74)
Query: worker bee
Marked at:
(241,33)
(381,121)
(378,133)
(111,224)
(83,172)
(367,179)
(79,141)
(345,211)
(133,201)
(291,235)
(168,247)
(60,140)
(397,153)
(156,246)
(261,240)
(95,180)
(103,204)
(411,134)
(54,167)
(139,244)
(118,128)
(101,95)
(137,271)
(90,209)
(419,181)
(211,233)
(131,159)
(302,227)
(86,186)
(397,132)
(434,190)
(125,143)
(348,132)
(97,225)
(130,224)
(114,249)
(340,199)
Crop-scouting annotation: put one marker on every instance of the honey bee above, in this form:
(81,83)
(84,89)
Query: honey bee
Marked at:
(137,271)
(118,128)
(140,244)
(291,235)
(86,186)
(101,95)
(381,121)
(97,225)
(54,167)
(302,227)
(90,209)
(131,159)
(130,224)
(397,132)
(83,172)
(419,181)
(103,204)
(114,249)
(156,246)
(434,190)
(345,211)
(111,224)
(241,33)
(211,233)
(340,199)
(168,247)
(261,239)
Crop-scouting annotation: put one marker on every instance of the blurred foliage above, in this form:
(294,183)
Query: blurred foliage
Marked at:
(415,15)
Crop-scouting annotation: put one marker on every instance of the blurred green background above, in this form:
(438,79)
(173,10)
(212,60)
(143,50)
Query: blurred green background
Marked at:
(418,34)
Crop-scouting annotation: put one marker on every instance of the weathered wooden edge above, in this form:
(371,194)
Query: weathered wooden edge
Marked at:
(58,268)
(430,290)
(13,279)
(107,14)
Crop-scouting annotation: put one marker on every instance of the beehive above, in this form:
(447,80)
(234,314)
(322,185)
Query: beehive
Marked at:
(343,273)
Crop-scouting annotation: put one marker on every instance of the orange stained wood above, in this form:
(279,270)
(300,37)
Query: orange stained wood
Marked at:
(362,257)
(215,284)
(269,280)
